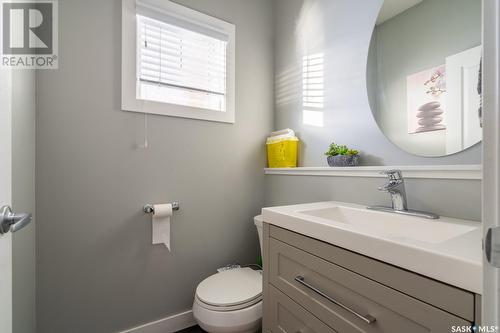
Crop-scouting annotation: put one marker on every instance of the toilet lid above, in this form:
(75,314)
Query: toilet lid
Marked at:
(231,287)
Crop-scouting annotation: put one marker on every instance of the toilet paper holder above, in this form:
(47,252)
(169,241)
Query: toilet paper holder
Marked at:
(149,208)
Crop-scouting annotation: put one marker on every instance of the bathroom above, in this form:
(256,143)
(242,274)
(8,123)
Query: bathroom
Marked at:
(100,154)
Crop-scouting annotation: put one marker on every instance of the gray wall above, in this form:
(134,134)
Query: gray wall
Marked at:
(97,271)
(23,199)
(403,46)
(437,195)
(341,29)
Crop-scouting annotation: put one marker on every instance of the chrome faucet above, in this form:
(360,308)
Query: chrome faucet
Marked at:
(396,188)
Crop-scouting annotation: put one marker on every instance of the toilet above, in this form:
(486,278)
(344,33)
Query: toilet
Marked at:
(231,301)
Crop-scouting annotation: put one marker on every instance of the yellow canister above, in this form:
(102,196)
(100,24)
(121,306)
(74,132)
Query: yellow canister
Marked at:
(282,152)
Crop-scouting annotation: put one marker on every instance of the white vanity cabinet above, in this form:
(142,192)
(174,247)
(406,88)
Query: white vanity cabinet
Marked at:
(313,286)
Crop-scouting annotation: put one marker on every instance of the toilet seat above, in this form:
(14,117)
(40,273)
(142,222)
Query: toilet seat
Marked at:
(230,290)
(228,308)
(230,302)
(247,320)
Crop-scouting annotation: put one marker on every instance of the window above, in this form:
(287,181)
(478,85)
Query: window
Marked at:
(181,62)
(180,66)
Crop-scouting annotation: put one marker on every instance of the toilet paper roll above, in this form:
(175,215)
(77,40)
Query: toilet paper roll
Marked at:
(161,224)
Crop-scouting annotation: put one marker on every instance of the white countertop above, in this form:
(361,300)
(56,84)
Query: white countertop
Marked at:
(456,261)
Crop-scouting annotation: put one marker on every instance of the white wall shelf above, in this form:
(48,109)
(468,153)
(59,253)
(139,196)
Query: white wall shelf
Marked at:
(470,172)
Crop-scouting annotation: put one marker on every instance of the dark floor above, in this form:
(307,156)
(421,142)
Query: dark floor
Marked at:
(194,329)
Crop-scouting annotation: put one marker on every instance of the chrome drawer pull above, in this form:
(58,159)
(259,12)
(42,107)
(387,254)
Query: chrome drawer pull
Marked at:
(367,318)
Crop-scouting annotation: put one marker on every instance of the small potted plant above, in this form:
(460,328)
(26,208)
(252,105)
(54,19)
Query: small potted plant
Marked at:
(342,156)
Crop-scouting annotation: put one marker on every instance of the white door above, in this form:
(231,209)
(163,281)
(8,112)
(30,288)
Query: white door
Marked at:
(462,100)
(5,199)
(491,162)
(16,294)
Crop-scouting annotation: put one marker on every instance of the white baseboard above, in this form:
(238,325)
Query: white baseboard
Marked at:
(170,324)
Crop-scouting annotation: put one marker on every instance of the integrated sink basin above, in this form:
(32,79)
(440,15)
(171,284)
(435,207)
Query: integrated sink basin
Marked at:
(392,226)
(446,249)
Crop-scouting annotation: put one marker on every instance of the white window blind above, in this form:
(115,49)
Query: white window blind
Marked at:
(179,64)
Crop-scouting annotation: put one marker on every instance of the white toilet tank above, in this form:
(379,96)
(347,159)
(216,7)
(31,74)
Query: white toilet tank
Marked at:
(258,223)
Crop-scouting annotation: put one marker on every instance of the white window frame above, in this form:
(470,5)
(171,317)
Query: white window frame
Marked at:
(129,62)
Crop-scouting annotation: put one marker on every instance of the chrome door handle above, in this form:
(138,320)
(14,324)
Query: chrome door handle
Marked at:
(492,246)
(366,318)
(12,222)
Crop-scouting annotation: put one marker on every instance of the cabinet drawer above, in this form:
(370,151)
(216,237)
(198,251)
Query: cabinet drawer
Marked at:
(286,316)
(448,298)
(345,300)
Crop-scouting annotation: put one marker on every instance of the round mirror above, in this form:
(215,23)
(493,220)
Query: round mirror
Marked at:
(423,75)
